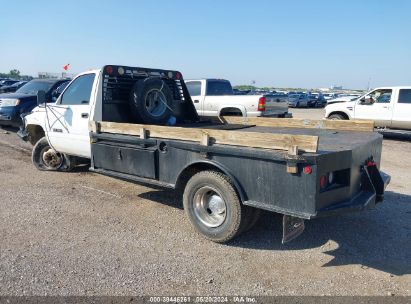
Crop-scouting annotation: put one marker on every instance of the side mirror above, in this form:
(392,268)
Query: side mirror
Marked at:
(366,100)
(41,98)
(55,94)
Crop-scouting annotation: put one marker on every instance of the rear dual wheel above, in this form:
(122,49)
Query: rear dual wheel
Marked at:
(214,208)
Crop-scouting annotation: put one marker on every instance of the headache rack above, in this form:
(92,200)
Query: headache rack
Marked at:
(118,81)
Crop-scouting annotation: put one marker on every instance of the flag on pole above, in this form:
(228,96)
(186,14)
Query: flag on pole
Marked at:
(66,67)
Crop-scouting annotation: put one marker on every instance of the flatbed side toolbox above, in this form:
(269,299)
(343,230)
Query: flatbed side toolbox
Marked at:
(123,159)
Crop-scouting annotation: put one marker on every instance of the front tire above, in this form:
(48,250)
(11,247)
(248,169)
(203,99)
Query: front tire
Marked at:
(336,117)
(213,206)
(45,158)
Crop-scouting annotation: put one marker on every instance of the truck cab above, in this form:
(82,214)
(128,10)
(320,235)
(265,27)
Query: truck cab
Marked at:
(388,107)
(66,122)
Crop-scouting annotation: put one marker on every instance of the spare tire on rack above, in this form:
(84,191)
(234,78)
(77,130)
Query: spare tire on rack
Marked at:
(151,101)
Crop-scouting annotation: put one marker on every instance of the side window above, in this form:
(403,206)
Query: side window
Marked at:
(405,96)
(381,96)
(194,88)
(79,91)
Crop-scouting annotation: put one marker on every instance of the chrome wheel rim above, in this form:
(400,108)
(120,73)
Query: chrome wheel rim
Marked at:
(156,102)
(209,207)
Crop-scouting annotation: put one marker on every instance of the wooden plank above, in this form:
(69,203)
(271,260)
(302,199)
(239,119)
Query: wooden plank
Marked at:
(305,143)
(343,125)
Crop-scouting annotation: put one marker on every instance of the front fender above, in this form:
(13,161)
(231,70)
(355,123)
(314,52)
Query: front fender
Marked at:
(35,118)
(344,107)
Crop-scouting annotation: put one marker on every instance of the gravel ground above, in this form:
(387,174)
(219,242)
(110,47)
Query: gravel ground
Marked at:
(80,233)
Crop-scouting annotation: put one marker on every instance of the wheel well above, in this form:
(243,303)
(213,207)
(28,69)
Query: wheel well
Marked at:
(35,133)
(340,113)
(192,169)
(231,112)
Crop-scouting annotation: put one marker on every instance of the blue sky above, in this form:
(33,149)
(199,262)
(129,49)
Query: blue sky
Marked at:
(276,43)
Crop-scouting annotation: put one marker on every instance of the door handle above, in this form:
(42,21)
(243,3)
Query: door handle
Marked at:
(196,101)
(84,115)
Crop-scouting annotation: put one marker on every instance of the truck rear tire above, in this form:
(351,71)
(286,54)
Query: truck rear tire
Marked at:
(151,101)
(45,158)
(213,206)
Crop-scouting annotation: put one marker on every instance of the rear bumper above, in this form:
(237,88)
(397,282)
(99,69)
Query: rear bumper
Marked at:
(282,115)
(373,185)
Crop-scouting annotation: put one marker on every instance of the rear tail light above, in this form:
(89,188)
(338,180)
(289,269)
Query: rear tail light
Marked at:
(307,170)
(326,180)
(334,179)
(261,104)
(323,182)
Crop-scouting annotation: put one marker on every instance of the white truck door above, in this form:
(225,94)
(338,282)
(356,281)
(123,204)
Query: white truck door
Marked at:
(377,106)
(401,116)
(194,88)
(68,119)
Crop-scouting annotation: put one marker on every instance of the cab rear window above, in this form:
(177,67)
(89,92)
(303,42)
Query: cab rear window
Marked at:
(219,87)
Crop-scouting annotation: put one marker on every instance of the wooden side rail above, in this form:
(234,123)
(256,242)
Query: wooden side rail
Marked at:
(343,125)
(305,143)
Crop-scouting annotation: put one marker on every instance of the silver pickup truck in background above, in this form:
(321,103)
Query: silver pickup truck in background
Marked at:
(215,97)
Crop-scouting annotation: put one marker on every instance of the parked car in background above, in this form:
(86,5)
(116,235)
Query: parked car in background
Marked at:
(298,100)
(13,105)
(316,100)
(389,107)
(7,82)
(12,88)
(328,96)
(215,97)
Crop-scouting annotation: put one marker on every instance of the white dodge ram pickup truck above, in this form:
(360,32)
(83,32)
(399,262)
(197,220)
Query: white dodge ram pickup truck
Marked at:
(389,107)
(215,97)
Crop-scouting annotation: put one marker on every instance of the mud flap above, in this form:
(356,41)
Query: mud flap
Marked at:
(374,176)
(292,227)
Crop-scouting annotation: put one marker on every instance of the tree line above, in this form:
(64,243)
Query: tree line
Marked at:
(15,74)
